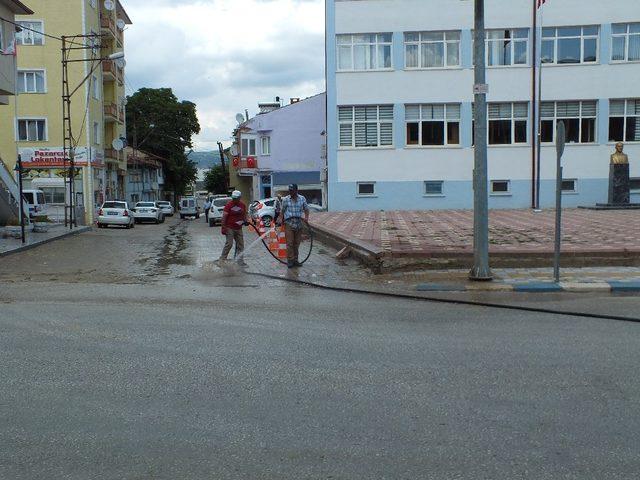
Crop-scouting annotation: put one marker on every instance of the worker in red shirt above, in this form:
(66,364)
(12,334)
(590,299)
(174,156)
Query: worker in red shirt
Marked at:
(234,217)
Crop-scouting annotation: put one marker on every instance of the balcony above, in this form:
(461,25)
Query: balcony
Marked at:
(108,25)
(109,70)
(111,113)
(242,163)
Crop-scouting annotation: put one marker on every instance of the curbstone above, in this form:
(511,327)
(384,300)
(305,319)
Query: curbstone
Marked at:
(29,246)
(622,286)
(537,287)
(585,287)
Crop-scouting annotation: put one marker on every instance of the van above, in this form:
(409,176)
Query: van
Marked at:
(37,202)
(189,207)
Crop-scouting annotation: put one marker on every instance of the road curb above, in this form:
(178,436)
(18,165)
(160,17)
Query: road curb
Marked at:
(39,243)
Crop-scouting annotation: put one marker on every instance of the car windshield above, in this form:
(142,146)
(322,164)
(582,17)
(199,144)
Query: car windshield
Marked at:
(145,204)
(221,202)
(28,196)
(270,203)
(164,204)
(113,205)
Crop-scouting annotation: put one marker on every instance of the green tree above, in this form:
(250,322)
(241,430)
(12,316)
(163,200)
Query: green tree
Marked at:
(214,180)
(159,123)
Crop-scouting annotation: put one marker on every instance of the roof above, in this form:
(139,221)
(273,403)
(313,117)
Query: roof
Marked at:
(17,6)
(125,16)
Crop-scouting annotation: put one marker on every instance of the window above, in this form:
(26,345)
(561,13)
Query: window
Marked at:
(364,52)
(248,147)
(634,184)
(96,133)
(579,120)
(32,130)
(625,42)
(266,147)
(31,81)
(500,187)
(366,126)
(436,124)
(624,121)
(54,195)
(569,186)
(433,188)
(508,123)
(566,45)
(507,47)
(31,33)
(366,189)
(431,49)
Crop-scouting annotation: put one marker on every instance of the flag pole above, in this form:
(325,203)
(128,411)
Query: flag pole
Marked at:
(534,108)
(539,122)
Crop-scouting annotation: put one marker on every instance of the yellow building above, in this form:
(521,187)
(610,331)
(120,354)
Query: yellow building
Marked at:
(33,125)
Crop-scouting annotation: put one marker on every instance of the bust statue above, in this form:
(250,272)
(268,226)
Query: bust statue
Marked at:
(619,157)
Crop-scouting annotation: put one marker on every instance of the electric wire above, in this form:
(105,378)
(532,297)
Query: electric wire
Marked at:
(48,35)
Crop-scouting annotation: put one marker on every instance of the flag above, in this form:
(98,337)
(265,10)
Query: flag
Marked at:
(10,50)
(541,2)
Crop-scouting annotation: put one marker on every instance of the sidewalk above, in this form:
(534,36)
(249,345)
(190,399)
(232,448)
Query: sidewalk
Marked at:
(56,231)
(444,239)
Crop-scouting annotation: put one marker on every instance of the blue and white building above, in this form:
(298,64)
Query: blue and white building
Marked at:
(400,100)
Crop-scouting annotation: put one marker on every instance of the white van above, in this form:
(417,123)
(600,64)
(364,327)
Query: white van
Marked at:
(189,207)
(37,202)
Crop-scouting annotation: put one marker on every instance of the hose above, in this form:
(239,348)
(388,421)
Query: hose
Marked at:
(309,231)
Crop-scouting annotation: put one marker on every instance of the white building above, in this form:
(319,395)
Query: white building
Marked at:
(400,100)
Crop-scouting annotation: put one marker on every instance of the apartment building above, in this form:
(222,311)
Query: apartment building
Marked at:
(34,120)
(400,100)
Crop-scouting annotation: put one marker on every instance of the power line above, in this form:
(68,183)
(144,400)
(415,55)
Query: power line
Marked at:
(16,24)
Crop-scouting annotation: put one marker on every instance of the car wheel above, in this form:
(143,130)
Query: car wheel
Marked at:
(133,224)
(197,216)
(99,225)
(181,217)
(157,221)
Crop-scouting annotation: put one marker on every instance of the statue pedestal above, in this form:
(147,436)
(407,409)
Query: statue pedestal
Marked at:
(619,184)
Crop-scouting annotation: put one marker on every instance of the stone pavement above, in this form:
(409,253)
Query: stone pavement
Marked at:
(604,237)
(56,231)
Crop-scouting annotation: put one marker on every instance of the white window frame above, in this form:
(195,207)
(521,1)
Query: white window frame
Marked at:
(512,40)
(423,40)
(379,122)
(31,33)
(583,37)
(352,42)
(246,152)
(427,194)
(265,141)
(575,186)
(512,117)
(34,71)
(581,116)
(365,195)
(627,37)
(625,116)
(500,193)
(32,119)
(445,120)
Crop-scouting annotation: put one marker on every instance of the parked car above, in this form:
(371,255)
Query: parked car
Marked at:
(314,207)
(264,209)
(189,207)
(215,213)
(166,208)
(37,202)
(148,211)
(115,213)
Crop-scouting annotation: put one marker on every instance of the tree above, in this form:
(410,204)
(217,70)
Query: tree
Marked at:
(159,123)
(214,180)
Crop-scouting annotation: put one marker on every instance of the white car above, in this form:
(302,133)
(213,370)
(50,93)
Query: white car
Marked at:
(189,207)
(314,207)
(166,208)
(263,209)
(37,202)
(215,212)
(115,213)
(148,211)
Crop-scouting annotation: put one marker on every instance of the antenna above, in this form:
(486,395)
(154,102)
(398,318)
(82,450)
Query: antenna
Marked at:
(117,144)
(120,23)
(239,118)
(109,5)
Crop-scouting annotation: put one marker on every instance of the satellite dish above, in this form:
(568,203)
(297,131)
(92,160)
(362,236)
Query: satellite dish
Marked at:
(120,23)
(109,5)
(121,62)
(234,149)
(239,118)
(117,144)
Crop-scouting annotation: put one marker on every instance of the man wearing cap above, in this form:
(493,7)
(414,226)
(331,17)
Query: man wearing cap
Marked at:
(234,216)
(294,207)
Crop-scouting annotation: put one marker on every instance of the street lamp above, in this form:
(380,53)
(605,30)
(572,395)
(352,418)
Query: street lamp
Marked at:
(18,169)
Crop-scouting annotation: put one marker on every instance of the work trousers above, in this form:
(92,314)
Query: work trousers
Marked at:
(294,237)
(206,215)
(231,236)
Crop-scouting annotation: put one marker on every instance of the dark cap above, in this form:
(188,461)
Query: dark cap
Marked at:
(293,187)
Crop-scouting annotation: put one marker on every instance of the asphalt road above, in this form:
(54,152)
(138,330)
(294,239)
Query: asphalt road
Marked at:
(109,374)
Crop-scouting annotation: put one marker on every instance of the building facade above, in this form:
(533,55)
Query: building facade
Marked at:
(400,101)
(34,120)
(283,145)
(145,176)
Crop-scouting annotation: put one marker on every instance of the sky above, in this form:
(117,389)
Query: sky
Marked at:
(226,55)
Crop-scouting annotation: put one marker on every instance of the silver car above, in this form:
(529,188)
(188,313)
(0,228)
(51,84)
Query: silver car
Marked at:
(166,208)
(148,211)
(115,213)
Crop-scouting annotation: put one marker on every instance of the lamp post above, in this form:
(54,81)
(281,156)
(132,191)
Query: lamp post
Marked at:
(18,169)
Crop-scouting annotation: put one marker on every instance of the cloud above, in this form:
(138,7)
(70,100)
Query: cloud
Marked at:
(226,55)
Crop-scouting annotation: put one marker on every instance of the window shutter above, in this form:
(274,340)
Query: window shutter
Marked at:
(412,112)
(616,108)
(360,114)
(345,114)
(568,109)
(372,113)
(453,111)
(346,135)
(361,135)
(589,109)
(372,134)
(386,134)
(386,112)
(520,110)
(633,107)
(548,110)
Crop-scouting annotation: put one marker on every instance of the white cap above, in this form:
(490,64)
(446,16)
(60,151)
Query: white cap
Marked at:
(236,194)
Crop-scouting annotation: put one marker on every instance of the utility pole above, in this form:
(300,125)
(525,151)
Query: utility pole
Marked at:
(480,270)
(224,170)
(21,200)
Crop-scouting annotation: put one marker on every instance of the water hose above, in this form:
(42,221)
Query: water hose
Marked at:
(309,232)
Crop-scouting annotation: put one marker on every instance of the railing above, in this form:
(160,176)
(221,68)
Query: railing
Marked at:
(111,110)
(244,163)
(110,153)
(109,67)
(107,23)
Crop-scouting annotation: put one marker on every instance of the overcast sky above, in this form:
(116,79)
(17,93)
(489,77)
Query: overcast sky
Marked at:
(226,55)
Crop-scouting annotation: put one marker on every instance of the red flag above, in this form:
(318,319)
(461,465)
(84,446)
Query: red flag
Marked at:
(541,2)
(10,50)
